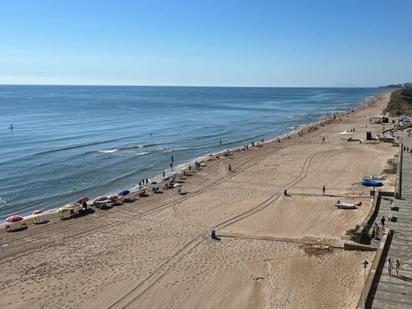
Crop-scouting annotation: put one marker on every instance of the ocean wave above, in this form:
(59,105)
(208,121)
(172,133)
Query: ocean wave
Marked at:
(3,202)
(108,151)
(133,149)
(140,146)
(70,147)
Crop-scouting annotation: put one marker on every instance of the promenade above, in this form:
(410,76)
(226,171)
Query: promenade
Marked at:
(396,291)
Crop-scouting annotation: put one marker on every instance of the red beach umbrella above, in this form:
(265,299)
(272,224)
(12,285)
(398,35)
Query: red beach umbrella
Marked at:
(15,218)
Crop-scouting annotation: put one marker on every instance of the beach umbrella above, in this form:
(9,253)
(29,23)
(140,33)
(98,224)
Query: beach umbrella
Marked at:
(101,198)
(14,218)
(124,192)
(82,200)
(367,182)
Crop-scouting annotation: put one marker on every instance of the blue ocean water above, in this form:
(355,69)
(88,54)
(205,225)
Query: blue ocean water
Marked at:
(75,141)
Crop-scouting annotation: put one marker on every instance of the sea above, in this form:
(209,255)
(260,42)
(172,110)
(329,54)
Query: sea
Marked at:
(70,142)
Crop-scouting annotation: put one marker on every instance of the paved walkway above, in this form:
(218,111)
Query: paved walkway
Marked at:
(396,292)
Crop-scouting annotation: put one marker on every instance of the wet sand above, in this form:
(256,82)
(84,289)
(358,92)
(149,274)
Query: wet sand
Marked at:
(157,252)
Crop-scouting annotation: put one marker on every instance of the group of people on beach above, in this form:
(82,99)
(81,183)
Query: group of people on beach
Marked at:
(143,182)
(377,234)
(407,149)
(312,128)
(390,266)
(377,230)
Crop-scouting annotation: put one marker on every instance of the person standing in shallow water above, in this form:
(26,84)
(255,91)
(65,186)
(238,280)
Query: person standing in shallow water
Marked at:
(390,267)
(397,267)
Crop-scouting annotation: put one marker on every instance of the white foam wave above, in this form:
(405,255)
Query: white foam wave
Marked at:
(109,150)
(142,153)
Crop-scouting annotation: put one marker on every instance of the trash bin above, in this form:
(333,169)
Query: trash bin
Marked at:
(368,136)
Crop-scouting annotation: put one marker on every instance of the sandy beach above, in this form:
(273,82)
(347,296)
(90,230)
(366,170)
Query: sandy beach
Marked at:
(275,251)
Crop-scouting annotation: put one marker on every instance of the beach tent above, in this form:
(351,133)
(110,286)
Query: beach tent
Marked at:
(367,182)
(155,186)
(64,212)
(68,210)
(39,217)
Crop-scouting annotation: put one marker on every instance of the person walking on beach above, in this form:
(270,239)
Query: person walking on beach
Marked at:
(377,231)
(323,190)
(390,267)
(230,167)
(383,222)
(397,267)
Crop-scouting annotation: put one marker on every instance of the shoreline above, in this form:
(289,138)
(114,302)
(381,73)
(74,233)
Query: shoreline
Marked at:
(157,251)
(302,128)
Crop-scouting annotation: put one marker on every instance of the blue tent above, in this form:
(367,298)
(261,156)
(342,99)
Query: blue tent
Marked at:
(371,183)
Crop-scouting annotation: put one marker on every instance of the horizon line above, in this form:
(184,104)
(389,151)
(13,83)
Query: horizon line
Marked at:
(194,86)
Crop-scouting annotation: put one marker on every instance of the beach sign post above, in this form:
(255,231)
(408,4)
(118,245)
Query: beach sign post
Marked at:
(365,265)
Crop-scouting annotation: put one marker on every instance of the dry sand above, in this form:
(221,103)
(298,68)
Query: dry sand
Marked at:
(157,253)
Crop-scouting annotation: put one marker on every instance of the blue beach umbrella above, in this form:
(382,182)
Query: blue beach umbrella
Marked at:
(371,183)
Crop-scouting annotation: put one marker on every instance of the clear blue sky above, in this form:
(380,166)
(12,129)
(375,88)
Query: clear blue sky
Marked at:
(196,42)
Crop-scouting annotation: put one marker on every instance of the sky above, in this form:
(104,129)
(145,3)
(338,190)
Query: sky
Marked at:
(336,43)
